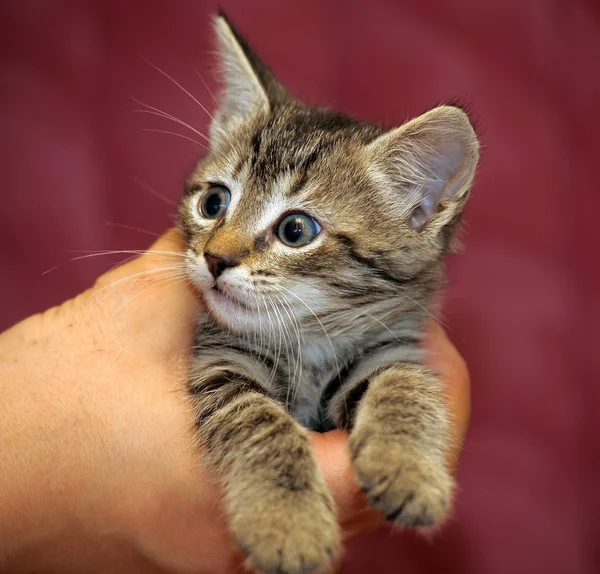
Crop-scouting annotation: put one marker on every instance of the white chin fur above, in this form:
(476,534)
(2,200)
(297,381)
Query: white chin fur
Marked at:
(248,312)
(231,314)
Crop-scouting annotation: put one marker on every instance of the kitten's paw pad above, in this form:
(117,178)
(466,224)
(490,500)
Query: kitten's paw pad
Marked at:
(288,532)
(408,490)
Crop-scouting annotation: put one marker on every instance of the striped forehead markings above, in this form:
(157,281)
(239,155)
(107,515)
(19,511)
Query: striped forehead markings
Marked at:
(277,203)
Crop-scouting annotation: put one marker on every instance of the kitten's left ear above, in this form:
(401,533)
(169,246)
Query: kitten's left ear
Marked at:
(428,165)
(249,86)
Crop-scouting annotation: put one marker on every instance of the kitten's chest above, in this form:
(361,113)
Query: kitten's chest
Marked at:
(319,367)
(296,372)
(300,374)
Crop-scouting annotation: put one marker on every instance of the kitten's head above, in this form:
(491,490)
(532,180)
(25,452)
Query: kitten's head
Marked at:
(301,211)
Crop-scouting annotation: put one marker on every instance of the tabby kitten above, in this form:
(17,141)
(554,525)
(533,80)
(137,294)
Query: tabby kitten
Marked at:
(317,244)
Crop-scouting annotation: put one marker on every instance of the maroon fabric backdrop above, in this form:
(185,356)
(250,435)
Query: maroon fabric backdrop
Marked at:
(75,165)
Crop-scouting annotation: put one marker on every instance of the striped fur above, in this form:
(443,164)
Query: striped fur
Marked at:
(326,335)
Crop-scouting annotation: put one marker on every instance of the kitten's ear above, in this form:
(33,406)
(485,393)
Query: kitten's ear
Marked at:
(249,86)
(429,164)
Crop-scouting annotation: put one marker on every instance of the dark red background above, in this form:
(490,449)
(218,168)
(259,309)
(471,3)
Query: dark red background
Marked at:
(523,300)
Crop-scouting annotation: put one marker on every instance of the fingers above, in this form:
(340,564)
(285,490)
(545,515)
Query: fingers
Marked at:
(443,356)
(333,455)
(354,515)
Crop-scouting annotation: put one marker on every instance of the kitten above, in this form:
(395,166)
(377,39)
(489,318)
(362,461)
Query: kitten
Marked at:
(317,244)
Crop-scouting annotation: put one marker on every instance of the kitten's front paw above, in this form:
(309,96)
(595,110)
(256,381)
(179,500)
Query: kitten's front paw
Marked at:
(409,490)
(287,532)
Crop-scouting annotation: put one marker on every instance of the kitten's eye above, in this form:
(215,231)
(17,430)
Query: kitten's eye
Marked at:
(215,202)
(297,229)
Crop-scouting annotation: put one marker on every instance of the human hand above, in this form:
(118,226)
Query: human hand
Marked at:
(100,470)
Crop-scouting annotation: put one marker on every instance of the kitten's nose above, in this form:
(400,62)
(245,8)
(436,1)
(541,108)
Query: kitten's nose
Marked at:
(218,263)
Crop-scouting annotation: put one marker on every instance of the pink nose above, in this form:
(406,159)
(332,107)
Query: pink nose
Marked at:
(218,263)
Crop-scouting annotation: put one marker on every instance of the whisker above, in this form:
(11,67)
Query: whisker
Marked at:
(337,366)
(100,253)
(113,224)
(174,134)
(94,254)
(153,191)
(289,348)
(401,293)
(165,282)
(277,348)
(262,334)
(122,262)
(294,382)
(177,84)
(152,111)
(215,124)
(144,273)
(208,90)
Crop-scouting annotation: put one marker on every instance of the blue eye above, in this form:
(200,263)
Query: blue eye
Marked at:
(297,229)
(215,202)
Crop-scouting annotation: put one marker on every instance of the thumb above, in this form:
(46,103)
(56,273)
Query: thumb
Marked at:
(150,297)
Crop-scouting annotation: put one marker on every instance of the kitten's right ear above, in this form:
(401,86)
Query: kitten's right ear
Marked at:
(249,86)
(428,165)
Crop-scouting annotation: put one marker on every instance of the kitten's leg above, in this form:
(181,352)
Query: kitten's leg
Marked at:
(399,441)
(281,512)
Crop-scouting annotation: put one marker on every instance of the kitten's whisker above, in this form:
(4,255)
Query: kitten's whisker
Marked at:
(177,84)
(294,381)
(154,131)
(152,111)
(337,365)
(113,224)
(290,348)
(271,332)
(289,312)
(299,357)
(259,343)
(269,345)
(297,375)
(254,346)
(167,281)
(283,341)
(126,302)
(124,251)
(279,341)
(270,323)
(277,346)
(364,312)
(399,292)
(98,254)
(145,273)
(207,89)
(289,351)
(153,191)
(122,262)
(299,362)
(424,308)
(215,124)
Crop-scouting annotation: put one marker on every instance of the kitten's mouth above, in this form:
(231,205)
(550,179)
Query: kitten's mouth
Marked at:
(226,298)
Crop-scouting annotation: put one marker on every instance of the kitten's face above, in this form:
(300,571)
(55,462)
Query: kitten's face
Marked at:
(277,204)
(298,212)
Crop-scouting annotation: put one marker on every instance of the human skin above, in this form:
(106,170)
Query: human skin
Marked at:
(99,471)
